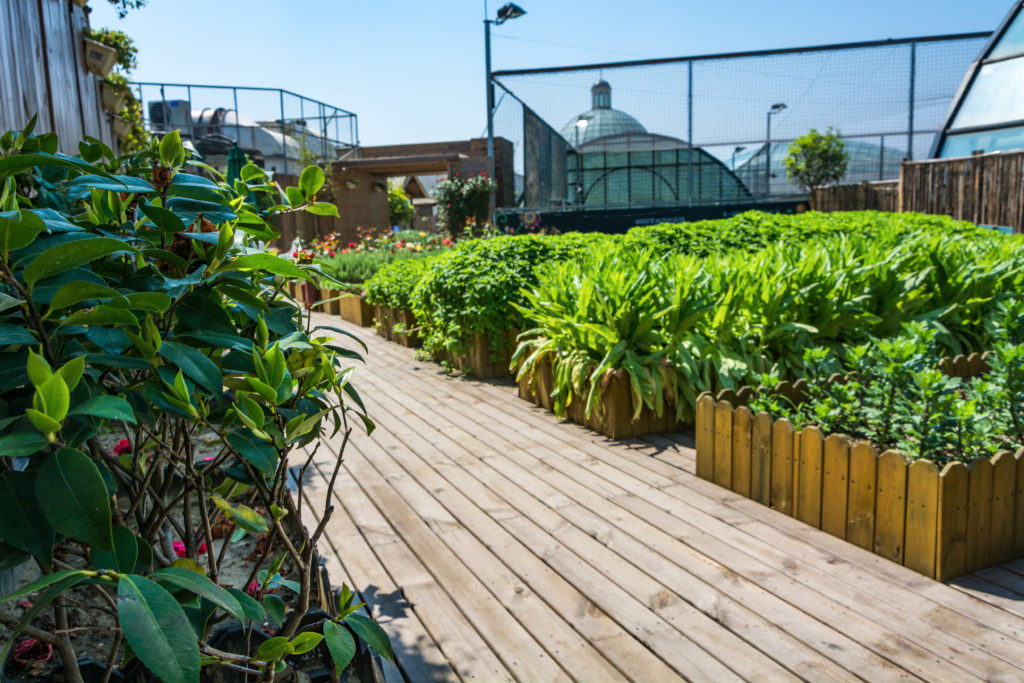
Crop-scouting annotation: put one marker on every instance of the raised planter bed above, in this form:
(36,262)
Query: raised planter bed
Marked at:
(354,309)
(614,419)
(386,320)
(480,362)
(942,524)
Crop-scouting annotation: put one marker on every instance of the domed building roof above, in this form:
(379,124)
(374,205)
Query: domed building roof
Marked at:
(601,120)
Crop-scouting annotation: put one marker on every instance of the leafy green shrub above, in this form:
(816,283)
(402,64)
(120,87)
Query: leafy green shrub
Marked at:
(894,395)
(682,324)
(464,203)
(473,289)
(817,159)
(394,282)
(136,304)
(400,211)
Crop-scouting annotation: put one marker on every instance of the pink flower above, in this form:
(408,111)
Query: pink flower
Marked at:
(253,587)
(351,244)
(123,446)
(332,253)
(179,548)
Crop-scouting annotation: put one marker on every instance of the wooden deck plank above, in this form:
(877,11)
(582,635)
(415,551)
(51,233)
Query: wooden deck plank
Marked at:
(464,483)
(859,658)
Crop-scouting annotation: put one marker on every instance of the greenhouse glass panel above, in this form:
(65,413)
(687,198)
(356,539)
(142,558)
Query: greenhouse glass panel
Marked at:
(996,96)
(1012,42)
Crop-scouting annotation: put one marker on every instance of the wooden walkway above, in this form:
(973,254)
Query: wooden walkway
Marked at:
(495,542)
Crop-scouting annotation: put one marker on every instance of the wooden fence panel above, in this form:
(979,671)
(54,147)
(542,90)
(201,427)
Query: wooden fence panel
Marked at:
(94,118)
(27,71)
(890,505)
(979,514)
(742,426)
(61,69)
(723,444)
(705,437)
(835,488)
(761,459)
(809,476)
(782,466)
(860,511)
(922,517)
(1018,507)
(1004,484)
(951,533)
(881,195)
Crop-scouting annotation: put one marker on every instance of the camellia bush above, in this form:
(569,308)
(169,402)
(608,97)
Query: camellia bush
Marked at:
(138,308)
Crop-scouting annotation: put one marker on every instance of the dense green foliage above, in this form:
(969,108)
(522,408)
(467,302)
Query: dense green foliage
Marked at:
(893,394)
(683,324)
(136,303)
(394,282)
(472,290)
(464,203)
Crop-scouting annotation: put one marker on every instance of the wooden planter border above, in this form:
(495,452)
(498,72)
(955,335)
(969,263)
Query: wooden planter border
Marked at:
(614,419)
(354,309)
(942,524)
(478,360)
(386,320)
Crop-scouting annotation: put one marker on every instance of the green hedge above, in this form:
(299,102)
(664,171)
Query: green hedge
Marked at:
(394,282)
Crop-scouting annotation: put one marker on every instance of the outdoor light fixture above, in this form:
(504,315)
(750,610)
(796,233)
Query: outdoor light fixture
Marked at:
(509,11)
(506,12)
(739,148)
(775,109)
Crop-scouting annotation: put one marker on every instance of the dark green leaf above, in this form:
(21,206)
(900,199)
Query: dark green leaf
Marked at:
(157,629)
(55,222)
(162,218)
(340,644)
(18,229)
(14,334)
(124,556)
(11,557)
(76,292)
(64,257)
(107,314)
(106,407)
(371,634)
(195,187)
(195,365)
(115,183)
(252,609)
(269,263)
(262,455)
(275,608)
(20,445)
(190,210)
(19,162)
(157,302)
(201,586)
(200,311)
(310,181)
(22,523)
(74,498)
(216,339)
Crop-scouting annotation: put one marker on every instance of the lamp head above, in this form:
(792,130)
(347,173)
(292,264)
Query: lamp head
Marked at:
(777,107)
(509,11)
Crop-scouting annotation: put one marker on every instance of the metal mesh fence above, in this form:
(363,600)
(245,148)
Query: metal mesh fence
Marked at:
(705,130)
(278,129)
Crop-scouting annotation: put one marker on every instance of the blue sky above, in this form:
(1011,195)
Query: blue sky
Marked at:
(413,71)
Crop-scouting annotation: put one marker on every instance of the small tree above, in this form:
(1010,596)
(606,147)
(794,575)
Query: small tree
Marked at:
(816,159)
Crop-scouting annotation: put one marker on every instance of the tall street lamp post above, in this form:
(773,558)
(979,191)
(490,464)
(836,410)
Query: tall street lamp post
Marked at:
(776,108)
(506,12)
(737,150)
(581,125)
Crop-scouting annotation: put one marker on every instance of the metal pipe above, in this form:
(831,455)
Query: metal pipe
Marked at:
(490,93)
(910,122)
(238,131)
(284,150)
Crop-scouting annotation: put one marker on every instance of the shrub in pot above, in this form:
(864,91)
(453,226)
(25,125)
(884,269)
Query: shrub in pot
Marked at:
(137,305)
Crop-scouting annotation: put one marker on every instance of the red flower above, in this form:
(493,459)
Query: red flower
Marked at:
(295,254)
(123,446)
(332,253)
(351,244)
(179,548)
(252,587)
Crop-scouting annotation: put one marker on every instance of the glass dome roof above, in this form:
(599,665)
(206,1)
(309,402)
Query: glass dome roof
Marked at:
(601,121)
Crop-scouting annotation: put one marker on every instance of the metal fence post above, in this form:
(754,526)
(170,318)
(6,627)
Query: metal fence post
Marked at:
(910,121)
(284,149)
(689,131)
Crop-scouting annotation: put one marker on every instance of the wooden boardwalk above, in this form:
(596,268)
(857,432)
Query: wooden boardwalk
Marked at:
(495,542)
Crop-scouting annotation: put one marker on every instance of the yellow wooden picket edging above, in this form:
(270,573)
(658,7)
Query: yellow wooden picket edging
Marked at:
(942,524)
